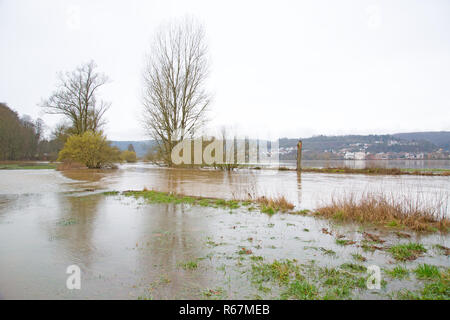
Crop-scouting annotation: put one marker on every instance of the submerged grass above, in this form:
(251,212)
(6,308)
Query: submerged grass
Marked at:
(407,251)
(398,272)
(189,265)
(390,210)
(152,196)
(268,205)
(436,290)
(309,281)
(426,271)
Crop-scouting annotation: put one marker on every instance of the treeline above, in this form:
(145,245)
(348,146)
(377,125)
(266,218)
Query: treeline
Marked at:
(22,138)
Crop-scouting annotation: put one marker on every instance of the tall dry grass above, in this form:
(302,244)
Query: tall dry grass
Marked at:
(412,211)
(278,203)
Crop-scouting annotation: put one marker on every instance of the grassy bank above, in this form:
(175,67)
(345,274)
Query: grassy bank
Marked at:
(379,171)
(26,166)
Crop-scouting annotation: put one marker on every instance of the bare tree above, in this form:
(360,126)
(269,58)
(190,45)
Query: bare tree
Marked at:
(174,97)
(76,98)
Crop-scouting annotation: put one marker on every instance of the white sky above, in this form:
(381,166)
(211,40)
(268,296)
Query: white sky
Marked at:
(278,68)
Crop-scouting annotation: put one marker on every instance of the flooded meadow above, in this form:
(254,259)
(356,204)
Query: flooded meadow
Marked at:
(131,248)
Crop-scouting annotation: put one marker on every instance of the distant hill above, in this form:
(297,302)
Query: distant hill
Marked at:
(141,147)
(415,142)
(439,138)
(370,143)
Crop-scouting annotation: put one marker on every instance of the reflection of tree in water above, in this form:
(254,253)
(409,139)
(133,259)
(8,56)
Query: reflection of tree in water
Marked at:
(91,178)
(172,235)
(75,226)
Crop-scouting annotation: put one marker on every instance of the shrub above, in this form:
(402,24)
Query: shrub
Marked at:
(91,149)
(128,156)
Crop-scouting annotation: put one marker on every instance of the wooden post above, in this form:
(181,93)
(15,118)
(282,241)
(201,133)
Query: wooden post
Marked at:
(299,155)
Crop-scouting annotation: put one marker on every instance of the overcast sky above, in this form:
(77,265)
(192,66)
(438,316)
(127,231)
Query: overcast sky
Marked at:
(278,68)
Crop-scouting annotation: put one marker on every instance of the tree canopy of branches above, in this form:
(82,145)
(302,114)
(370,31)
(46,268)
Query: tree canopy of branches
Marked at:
(174,97)
(76,97)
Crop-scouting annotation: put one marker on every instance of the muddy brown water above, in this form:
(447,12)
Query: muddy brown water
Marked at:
(127,249)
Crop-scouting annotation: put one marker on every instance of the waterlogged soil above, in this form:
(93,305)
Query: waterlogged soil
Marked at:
(128,248)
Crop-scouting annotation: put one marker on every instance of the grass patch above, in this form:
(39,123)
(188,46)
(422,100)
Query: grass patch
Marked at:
(300,290)
(390,210)
(344,242)
(398,272)
(426,271)
(436,290)
(152,196)
(27,166)
(408,251)
(340,283)
(189,265)
(278,271)
(274,204)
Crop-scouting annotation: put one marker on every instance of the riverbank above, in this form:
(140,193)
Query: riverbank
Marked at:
(376,171)
(26,165)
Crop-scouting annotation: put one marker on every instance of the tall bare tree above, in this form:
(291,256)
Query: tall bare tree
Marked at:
(76,97)
(174,97)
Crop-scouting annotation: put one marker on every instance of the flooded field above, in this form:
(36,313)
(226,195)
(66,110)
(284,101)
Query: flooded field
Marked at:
(129,249)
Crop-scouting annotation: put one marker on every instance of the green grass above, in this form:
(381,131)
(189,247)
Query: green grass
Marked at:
(408,251)
(278,271)
(300,290)
(343,242)
(24,166)
(189,265)
(267,209)
(398,272)
(426,271)
(151,196)
(436,290)
(339,283)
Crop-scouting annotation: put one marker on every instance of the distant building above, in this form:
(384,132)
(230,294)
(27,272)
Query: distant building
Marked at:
(349,156)
(360,155)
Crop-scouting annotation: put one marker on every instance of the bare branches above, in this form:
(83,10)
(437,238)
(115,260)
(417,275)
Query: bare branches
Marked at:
(174,97)
(76,98)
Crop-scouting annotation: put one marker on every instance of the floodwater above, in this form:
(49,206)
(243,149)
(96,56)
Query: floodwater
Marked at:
(127,249)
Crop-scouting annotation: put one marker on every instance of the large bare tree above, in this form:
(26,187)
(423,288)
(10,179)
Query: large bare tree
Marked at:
(174,97)
(76,97)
